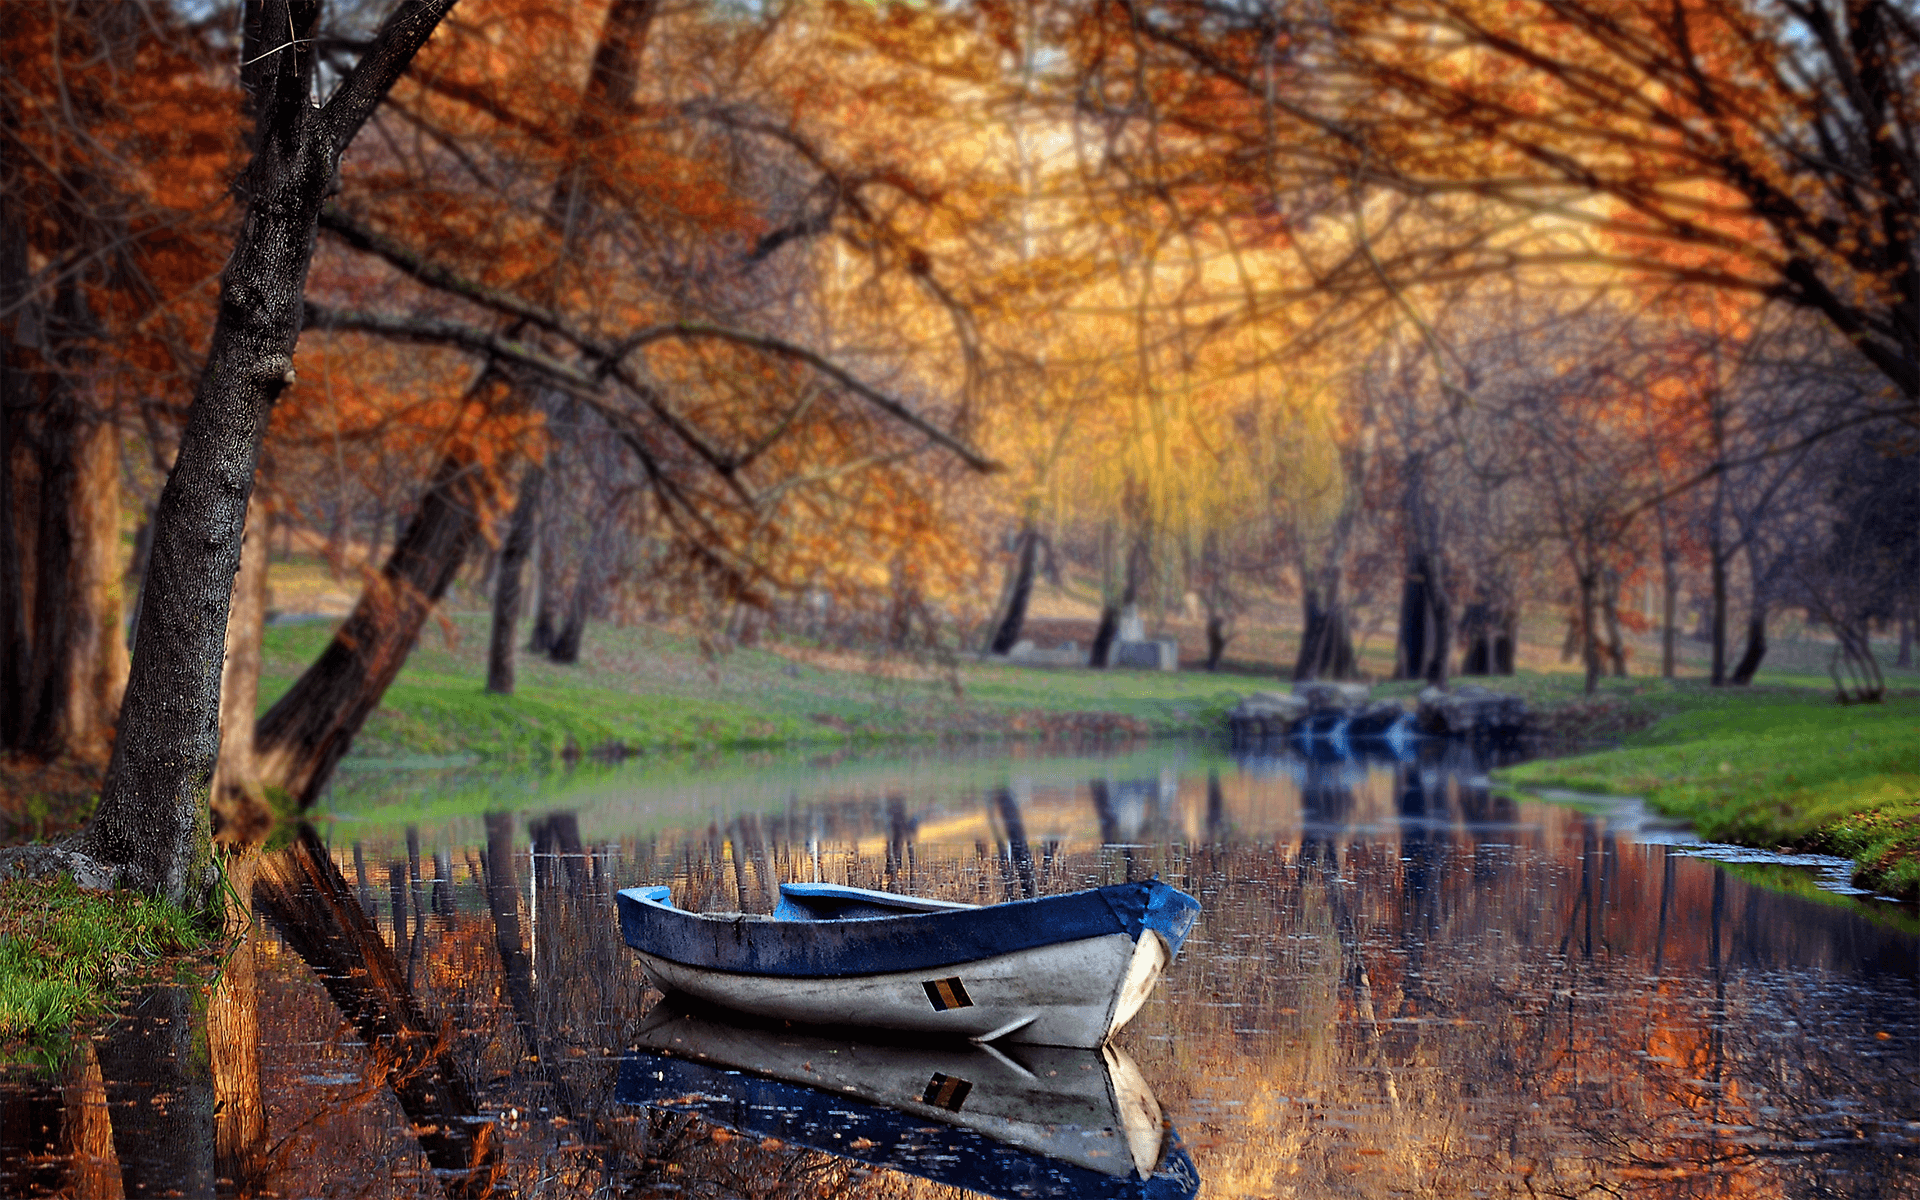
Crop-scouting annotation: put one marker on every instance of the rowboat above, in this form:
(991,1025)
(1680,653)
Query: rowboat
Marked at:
(1023,1121)
(1064,970)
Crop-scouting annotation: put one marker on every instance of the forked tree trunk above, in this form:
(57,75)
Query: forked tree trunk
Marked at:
(304,736)
(506,581)
(1019,593)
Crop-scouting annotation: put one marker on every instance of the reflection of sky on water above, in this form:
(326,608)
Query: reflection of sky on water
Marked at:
(1401,983)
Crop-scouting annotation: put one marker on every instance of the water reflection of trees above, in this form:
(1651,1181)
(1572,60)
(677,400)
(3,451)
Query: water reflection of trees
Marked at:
(1396,985)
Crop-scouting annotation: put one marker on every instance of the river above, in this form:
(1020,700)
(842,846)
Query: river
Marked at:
(1401,983)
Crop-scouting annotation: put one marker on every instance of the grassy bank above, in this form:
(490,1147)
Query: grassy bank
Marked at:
(652,691)
(1776,768)
(63,951)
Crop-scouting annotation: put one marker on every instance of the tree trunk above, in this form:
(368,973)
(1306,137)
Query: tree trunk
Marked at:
(506,581)
(546,572)
(1019,593)
(566,643)
(1756,650)
(1669,615)
(239,808)
(1216,639)
(1414,644)
(1589,636)
(1610,611)
(1103,635)
(1905,657)
(1326,641)
(152,820)
(1717,622)
(304,736)
(14,399)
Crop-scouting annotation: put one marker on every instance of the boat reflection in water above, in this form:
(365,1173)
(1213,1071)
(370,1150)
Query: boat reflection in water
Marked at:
(1023,1121)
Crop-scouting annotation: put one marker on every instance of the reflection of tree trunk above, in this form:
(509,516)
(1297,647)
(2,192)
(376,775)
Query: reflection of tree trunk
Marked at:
(86,1129)
(309,730)
(1018,848)
(506,581)
(239,808)
(161,1095)
(503,903)
(233,1037)
(309,902)
(1019,593)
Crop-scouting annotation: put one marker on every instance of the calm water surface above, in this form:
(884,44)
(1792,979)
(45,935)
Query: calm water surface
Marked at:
(1400,984)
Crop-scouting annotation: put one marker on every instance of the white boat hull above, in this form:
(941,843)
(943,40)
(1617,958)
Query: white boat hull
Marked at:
(1076,993)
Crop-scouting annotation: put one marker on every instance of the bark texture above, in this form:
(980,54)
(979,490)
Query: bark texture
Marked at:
(153,813)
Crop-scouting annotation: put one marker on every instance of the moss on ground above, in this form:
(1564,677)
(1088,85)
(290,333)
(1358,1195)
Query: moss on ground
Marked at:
(63,951)
(1778,768)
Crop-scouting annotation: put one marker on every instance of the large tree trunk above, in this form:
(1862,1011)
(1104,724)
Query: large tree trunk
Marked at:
(506,581)
(152,821)
(240,810)
(1019,592)
(304,736)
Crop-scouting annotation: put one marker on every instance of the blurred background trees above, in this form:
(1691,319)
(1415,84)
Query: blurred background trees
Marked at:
(1391,323)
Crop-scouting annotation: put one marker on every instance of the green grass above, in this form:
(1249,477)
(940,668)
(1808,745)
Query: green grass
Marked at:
(1774,767)
(654,692)
(64,950)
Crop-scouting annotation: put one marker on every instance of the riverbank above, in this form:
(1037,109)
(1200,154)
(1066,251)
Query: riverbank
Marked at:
(1776,768)
(641,690)
(65,953)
